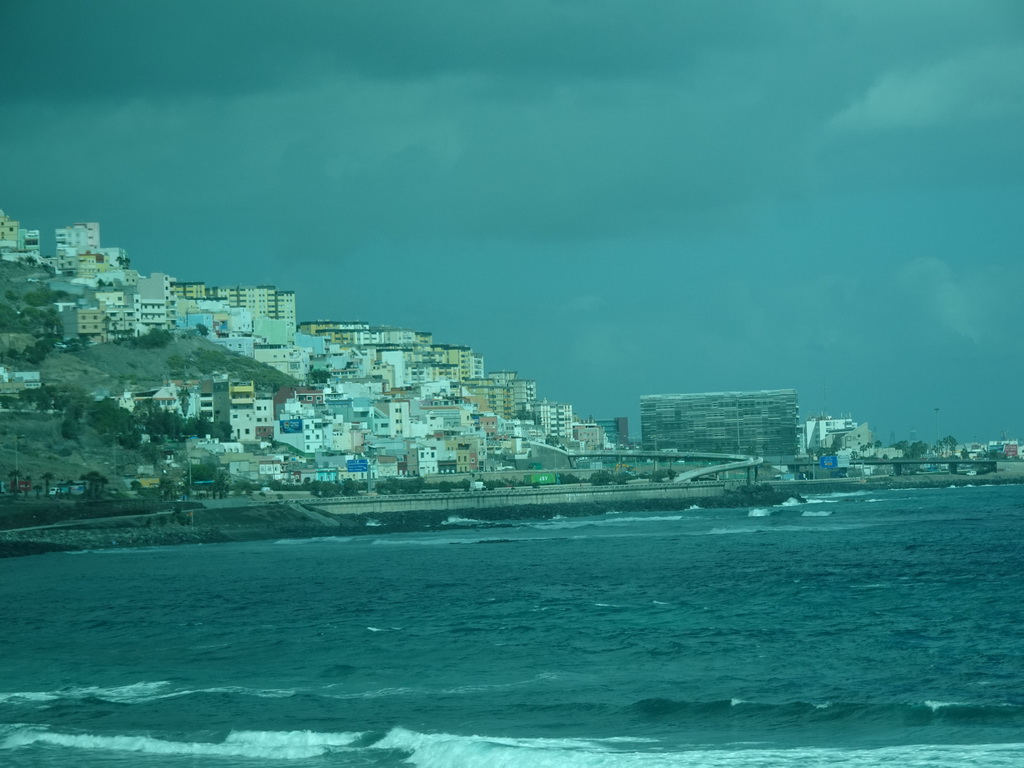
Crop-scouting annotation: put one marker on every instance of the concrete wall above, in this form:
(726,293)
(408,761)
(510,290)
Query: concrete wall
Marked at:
(470,500)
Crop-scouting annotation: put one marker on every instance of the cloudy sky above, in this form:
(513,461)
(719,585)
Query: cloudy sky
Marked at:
(613,198)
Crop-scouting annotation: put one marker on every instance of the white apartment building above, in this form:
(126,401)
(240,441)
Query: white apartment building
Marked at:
(821,431)
(555,419)
(156,302)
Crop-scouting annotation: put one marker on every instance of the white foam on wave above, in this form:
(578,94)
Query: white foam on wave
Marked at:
(430,750)
(121,694)
(935,706)
(441,750)
(558,523)
(791,502)
(444,750)
(816,513)
(456,520)
(758,512)
(841,494)
(315,540)
(273,745)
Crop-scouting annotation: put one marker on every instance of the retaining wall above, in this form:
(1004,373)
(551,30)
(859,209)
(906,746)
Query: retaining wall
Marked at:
(514,497)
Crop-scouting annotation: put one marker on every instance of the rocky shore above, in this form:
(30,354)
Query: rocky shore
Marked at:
(29,528)
(195,525)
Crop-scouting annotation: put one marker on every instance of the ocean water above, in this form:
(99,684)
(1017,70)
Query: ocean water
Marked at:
(865,629)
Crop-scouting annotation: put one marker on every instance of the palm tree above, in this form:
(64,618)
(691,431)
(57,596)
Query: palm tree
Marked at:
(46,478)
(94,484)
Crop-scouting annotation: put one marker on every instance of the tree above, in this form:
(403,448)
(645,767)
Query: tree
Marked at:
(916,450)
(318,377)
(170,487)
(47,477)
(202,330)
(94,484)
(157,338)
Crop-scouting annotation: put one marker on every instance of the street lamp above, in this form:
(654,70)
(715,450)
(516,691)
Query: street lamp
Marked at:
(936,431)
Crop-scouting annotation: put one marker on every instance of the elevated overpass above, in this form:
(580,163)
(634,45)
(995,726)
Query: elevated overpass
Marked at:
(715,463)
(900,466)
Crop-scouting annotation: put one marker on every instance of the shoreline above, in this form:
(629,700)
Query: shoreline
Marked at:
(143,525)
(269,521)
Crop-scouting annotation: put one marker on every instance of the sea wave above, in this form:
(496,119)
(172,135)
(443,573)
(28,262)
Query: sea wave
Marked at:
(442,750)
(316,540)
(272,745)
(120,694)
(456,520)
(759,512)
(795,714)
(559,523)
(137,693)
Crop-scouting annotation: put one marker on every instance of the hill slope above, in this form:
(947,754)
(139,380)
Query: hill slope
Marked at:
(31,442)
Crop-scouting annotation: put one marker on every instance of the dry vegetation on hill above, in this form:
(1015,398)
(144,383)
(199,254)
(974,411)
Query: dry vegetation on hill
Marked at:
(45,445)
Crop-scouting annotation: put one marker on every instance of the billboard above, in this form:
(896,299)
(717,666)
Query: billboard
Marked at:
(291,426)
(828,462)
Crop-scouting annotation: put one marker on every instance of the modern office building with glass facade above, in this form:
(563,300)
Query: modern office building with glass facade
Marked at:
(761,423)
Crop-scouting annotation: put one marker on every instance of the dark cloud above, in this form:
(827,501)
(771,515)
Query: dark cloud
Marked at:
(617,198)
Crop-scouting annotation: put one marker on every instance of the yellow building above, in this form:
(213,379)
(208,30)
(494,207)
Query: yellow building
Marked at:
(186,290)
(499,396)
(9,230)
(261,300)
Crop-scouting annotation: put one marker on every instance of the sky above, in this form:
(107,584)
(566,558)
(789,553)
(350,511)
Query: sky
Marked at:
(612,198)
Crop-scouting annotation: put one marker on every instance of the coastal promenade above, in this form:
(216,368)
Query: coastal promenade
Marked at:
(464,501)
(98,526)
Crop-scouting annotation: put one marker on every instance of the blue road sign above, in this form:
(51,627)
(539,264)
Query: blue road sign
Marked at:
(357,465)
(828,462)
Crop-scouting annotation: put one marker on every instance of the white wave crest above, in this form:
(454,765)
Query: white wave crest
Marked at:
(758,512)
(842,494)
(456,520)
(445,750)
(556,523)
(275,745)
(816,512)
(791,502)
(315,540)
(934,706)
(121,694)
(428,750)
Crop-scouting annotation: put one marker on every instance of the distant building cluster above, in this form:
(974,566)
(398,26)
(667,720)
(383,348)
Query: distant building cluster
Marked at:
(414,405)
(411,405)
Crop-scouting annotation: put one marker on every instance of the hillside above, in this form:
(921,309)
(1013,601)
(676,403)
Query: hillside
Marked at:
(33,442)
(111,367)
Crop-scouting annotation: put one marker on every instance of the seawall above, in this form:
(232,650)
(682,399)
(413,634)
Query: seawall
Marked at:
(474,501)
(229,520)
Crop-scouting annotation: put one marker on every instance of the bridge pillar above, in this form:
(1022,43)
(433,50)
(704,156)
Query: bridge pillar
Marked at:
(897,469)
(953,467)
